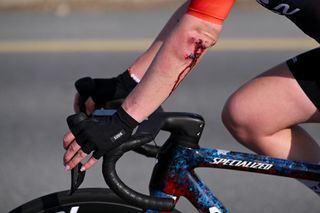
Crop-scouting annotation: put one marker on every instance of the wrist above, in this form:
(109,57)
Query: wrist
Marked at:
(133,76)
(126,119)
(133,112)
(128,79)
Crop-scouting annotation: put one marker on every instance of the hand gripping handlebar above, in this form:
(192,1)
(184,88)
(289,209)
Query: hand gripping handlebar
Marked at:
(112,179)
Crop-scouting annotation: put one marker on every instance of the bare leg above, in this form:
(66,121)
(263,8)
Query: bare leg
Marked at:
(263,115)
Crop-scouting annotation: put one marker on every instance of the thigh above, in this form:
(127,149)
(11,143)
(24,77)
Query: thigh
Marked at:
(273,101)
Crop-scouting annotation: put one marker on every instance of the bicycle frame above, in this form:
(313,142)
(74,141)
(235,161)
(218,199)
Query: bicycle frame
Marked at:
(174,174)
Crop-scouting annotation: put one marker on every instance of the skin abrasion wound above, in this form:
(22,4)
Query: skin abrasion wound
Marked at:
(198,50)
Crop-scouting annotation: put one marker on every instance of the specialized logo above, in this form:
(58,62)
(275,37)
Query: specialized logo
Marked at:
(240,163)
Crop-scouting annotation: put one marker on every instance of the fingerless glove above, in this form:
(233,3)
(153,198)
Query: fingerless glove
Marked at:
(101,134)
(103,90)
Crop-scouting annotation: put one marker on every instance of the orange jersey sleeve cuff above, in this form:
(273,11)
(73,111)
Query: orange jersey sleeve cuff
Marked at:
(215,11)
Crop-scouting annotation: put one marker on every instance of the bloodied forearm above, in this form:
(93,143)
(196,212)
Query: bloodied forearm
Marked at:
(142,63)
(180,52)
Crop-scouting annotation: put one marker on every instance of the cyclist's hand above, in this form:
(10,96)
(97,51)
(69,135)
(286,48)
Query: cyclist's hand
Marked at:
(89,104)
(97,134)
(95,93)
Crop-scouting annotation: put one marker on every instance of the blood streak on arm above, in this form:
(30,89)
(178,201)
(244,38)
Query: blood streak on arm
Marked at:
(198,51)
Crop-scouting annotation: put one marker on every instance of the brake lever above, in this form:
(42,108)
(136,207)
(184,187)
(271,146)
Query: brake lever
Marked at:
(77,178)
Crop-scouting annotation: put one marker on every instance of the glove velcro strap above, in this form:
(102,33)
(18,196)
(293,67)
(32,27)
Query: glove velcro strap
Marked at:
(85,87)
(126,119)
(126,81)
(104,89)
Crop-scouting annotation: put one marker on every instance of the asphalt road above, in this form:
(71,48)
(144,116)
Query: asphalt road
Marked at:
(36,91)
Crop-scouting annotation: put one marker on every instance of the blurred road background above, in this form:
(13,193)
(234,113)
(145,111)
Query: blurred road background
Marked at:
(43,53)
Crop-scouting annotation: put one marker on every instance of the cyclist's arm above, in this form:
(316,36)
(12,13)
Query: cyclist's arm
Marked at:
(136,70)
(204,9)
(181,51)
(171,65)
(193,35)
(141,64)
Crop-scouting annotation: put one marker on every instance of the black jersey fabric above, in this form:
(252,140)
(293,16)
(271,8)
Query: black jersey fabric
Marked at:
(304,13)
(305,69)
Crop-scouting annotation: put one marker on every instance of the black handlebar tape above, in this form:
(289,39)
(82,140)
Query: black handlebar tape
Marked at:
(148,150)
(114,182)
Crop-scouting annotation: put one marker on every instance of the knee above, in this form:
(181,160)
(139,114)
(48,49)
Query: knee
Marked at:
(241,121)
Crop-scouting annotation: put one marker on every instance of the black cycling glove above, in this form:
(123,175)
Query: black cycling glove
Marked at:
(101,134)
(104,90)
